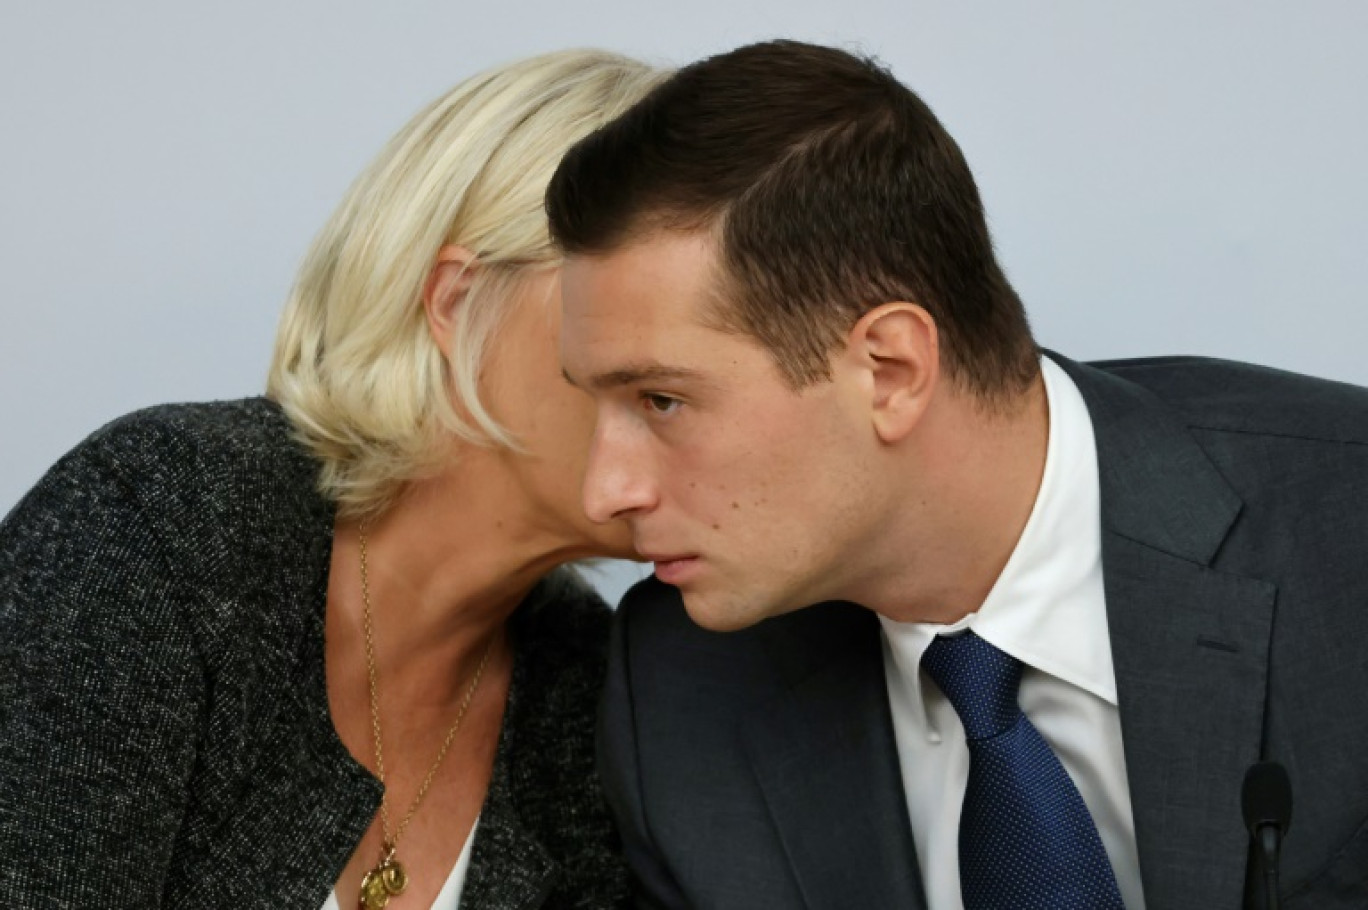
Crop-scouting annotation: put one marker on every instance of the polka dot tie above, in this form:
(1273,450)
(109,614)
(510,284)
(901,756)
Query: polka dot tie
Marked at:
(1026,840)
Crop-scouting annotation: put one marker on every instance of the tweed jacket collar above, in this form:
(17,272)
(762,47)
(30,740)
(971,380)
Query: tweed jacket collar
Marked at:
(510,868)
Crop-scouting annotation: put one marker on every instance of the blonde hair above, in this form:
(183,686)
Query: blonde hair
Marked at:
(355,367)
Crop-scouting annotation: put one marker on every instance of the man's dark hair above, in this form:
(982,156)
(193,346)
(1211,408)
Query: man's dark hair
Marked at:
(831,188)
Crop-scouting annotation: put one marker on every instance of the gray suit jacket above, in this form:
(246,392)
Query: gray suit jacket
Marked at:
(758,768)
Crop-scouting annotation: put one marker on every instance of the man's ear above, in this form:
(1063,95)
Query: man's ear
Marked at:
(897,345)
(445,291)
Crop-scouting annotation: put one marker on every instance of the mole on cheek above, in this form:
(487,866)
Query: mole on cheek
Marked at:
(736,505)
(717,527)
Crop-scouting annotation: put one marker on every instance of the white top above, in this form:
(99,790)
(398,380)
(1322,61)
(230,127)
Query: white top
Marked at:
(1048,610)
(449,898)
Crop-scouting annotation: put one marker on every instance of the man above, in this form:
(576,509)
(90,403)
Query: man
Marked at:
(937,621)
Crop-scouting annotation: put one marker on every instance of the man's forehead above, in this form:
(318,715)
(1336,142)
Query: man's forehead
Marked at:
(643,312)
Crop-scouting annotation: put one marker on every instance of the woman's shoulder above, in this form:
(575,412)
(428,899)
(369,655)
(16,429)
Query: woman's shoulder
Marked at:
(115,543)
(203,433)
(192,467)
(205,490)
(154,453)
(154,594)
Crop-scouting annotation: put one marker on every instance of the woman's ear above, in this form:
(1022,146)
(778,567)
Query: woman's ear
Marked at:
(445,291)
(899,345)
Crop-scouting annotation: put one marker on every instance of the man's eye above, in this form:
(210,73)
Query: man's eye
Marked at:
(660,404)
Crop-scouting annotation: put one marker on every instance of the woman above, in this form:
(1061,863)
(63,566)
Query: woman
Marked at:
(222,626)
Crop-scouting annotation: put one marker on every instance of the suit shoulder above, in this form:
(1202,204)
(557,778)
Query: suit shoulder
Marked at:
(651,607)
(654,625)
(1239,397)
(563,623)
(663,651)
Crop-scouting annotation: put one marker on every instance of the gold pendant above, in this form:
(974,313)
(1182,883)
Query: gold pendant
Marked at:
(386,880)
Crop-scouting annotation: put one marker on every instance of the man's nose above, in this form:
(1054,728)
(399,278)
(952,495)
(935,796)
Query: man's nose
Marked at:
(617,481)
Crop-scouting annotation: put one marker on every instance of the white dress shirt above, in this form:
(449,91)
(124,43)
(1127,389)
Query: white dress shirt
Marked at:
(1047,609)
(449,898)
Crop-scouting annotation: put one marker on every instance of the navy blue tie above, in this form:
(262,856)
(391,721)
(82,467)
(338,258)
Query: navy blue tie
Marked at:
(1026,839)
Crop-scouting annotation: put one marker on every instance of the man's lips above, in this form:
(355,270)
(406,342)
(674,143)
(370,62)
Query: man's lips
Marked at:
(674,568)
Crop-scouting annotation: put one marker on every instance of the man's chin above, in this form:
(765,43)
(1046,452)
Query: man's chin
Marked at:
(718,616)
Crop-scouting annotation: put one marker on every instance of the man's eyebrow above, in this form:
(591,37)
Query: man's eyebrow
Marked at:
(635,374)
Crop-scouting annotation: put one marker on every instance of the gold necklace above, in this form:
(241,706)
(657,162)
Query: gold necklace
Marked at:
(389,878)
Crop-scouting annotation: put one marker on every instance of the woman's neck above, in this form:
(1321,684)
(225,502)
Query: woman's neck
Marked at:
(446,566)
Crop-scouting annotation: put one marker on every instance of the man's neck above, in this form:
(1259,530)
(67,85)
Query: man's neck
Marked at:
(977,476)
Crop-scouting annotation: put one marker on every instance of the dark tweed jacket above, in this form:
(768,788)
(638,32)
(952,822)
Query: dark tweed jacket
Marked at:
(164,731)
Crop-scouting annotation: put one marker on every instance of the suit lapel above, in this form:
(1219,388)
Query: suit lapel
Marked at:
(510,868)
(824,756)
(1189,644)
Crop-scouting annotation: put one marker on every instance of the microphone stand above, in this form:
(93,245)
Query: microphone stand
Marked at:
(1269,839)
(1267,803)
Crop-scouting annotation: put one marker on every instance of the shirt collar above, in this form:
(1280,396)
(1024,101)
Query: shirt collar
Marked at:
(1047,608)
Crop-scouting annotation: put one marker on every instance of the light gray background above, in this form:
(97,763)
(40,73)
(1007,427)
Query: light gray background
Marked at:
(1162,177)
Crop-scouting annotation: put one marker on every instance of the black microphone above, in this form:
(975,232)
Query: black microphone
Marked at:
(1267,801)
